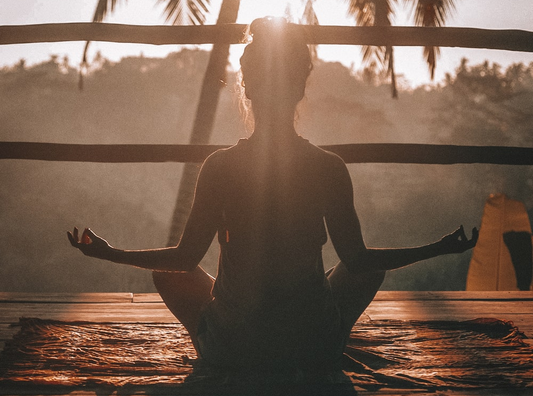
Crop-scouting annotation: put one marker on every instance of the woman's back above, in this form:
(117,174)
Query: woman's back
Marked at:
(273,206)
(271,276)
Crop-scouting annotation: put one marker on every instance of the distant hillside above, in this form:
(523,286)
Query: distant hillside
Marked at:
(145,100)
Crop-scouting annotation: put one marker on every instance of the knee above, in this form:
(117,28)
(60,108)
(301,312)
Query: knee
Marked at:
(375,278)
(160,280)
(371,279)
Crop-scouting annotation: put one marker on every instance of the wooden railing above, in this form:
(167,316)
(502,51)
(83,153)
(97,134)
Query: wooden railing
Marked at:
(512,40)
(350,153)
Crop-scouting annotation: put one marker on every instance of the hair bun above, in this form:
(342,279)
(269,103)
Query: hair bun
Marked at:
(266,27)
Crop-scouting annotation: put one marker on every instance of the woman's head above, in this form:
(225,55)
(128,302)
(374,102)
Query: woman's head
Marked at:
(276,64)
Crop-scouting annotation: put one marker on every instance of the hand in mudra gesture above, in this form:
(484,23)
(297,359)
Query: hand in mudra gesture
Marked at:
(89,244)
(458,242)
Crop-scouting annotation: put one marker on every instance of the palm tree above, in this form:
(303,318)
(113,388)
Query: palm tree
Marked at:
(427,13)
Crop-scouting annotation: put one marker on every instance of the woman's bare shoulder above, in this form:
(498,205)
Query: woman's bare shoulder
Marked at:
(326,158)
(223,154)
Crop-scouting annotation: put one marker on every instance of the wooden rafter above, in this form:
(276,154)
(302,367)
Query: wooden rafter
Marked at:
(512,40)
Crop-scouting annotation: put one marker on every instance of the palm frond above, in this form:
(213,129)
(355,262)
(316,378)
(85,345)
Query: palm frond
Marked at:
(371,13)
(432,13)
(288,13)
(431,54)
(309,17)
(363,12)
(186,12)
(174,11)
(104,7)
(198,11)
(376,13)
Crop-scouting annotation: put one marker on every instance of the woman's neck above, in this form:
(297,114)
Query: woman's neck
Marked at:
(274,123)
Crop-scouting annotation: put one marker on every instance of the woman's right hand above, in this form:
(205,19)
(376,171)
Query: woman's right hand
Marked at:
(90,244)
(458,242)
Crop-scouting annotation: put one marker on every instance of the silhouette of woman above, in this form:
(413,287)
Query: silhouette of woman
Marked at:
(270,198)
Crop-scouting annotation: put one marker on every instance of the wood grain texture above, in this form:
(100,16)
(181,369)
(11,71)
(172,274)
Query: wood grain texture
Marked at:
(148,307)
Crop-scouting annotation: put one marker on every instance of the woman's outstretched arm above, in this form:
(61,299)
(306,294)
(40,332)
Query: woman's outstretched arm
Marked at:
(197,236)
(345,232)
(388,259)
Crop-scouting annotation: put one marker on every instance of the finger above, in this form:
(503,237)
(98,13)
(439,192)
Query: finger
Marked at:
(73,242)
(85,238)
(91,234)
(462,235)
(76,234)
(475,236)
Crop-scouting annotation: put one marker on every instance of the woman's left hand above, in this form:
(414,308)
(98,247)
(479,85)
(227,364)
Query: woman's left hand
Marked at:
(457,241)
(90,244)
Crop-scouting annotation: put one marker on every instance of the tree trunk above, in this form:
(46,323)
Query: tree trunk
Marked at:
(214,80)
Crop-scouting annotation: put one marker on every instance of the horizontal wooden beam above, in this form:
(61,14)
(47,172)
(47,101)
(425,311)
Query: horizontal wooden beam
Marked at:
(350,153)
(512,40)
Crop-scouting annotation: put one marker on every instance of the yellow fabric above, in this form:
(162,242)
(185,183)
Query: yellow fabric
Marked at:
(491,267)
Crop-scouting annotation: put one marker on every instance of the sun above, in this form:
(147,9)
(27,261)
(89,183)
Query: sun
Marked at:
(250,10)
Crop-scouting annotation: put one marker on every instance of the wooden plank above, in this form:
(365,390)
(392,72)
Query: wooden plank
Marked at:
(66,297)
(147,298)
(154,297)
(384,295)
(519,320)
(436,308)
(512,40)
(106,153)
(453,295)
(519,312)
(97,312)
(389,305)
(157,312)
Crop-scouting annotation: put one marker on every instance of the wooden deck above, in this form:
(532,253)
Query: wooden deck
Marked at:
(130,307)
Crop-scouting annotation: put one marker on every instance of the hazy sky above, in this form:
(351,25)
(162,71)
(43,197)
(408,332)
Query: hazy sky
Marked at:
(492,14)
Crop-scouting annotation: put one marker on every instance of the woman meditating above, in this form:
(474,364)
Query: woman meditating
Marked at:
(271,199)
